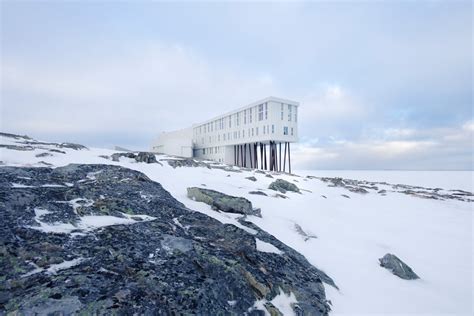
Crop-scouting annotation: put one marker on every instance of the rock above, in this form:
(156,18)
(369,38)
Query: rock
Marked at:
(146,157)
(259,171)
(142,156)
(357,190)
(301,232)
(397,267)
(283,186)
(223,202)
(278,195)
(258,193)
(382,191)
(324,196)
(179,262)
(186,162)
(252,178)
(43,155)
(269,176)
(346,196)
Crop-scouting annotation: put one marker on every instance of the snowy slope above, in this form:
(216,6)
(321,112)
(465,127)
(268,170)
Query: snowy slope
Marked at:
(433,236)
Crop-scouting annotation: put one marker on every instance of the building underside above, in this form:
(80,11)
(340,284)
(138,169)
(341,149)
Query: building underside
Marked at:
(273,156)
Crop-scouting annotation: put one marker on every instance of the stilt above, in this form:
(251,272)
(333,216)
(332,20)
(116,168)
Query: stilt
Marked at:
(280,157)
(289,158)
(265,155)
(261,156)
(250,156)
(255,156)
(241,156)
(284,160)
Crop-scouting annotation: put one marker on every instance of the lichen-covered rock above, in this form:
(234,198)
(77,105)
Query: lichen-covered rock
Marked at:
(398,267)
(223,202)
(283,186)
(165,260)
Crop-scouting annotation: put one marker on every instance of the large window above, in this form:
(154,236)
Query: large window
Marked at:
(296,114)
(273,129)
(238,119)
(292,131)
(285,130)
(266,110)
(250,115)
(289,112)
(245,116)
(260,112)
(282,111)
(230,121)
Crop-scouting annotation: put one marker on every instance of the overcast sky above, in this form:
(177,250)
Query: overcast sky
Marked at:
(382,84)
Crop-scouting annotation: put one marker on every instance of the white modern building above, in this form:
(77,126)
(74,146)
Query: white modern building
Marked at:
(257,135)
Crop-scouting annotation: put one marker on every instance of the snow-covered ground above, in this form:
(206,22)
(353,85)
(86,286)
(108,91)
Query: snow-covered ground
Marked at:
(434,237)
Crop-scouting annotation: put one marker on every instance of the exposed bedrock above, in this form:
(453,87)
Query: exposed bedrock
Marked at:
(121,244)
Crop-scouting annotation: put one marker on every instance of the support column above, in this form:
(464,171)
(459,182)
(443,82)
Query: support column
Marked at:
(280,158)
(250,156)
(289,158)
(265,155)
(261,156)
(284,160)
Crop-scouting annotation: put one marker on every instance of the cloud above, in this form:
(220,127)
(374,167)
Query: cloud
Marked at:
(432,149)
(145,90)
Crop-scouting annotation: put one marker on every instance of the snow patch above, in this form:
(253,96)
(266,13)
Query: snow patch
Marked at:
(266,247)
(282,302)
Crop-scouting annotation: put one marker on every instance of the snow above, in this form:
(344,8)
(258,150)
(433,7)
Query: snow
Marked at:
(434,237)
(86,223)
(55,268)
(266,247)
(282,301)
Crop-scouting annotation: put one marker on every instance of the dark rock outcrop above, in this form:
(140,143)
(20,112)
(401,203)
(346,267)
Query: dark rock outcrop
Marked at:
(141,156)
(186,162)
(223,202)
(397,267)
(283,186)
(258,193)
(176,261)
(252,178)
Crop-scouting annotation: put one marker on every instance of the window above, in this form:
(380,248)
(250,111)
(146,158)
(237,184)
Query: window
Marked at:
(204,151)
(273,129)
(230,121)
(256,131)
(238,119)
(263,129)
(224,136)
(245,116)
(243,133)
(260,112)
(285,130)
(250,116)
(292,131)
(289,112)
(252,131)
(219,137)
(296,114)
(282,111)
(266,110)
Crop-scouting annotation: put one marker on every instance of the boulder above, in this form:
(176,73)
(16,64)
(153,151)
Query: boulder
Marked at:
(223,202)
(252,178)
(397,267)
(258,193)
(283,186)
(146,157)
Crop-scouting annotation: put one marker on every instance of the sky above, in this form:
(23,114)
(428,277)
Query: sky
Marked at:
(381,84)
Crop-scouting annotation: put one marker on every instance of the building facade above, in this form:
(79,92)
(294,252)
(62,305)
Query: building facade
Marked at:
(255,136)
